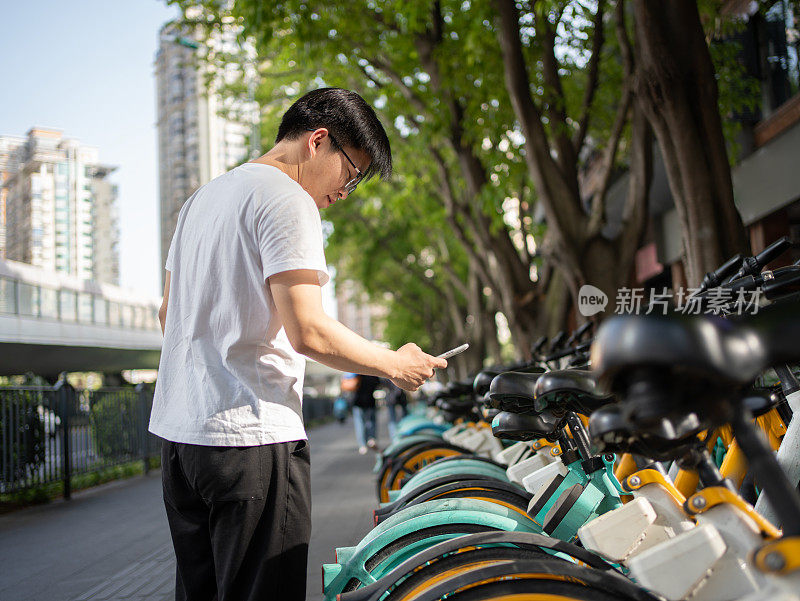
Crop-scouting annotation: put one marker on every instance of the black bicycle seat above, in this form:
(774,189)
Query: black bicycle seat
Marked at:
(456,405)
(459,388)
(704,347)
(513,389)
(480,385)
(515,426)
(610,430)
(573,388)
(725,353)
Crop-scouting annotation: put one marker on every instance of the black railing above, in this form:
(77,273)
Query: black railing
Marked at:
(50,434)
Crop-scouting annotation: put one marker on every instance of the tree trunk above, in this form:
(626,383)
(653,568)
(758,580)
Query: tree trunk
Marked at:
(676,88)
(574,245)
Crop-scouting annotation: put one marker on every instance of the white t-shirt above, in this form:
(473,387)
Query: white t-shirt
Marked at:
(228,375)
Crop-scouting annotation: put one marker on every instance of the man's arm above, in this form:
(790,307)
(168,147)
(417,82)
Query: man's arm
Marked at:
(298,300)
(162,312)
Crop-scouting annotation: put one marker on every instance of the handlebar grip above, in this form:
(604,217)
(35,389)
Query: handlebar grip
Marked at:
(753,265)
(716,277)
(773,251)
(538,345)
(578,334)
(557,340)
(728,267)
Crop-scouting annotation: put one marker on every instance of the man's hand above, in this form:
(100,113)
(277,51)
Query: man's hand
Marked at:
(415,366)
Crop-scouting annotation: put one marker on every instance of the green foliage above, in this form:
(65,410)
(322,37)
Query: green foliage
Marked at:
(438,86)
(23,433)
(739,94)
(114,424)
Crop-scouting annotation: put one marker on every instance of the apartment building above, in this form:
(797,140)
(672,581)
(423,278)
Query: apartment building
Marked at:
(59,205)
(201,132)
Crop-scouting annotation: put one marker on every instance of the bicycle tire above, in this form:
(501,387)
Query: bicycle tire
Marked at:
(550,571)
(531,590)
(462,559)
(411,461)
(388,550)
(392,465)
(488,490)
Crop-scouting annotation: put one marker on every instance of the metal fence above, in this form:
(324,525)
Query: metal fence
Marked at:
(50,434)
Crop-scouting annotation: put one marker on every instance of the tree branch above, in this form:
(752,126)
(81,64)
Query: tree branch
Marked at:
(562,205)
(591,77)
(555,102)
(597,211)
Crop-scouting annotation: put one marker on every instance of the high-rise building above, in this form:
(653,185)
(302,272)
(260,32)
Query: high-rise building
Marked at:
(106,225)
(60,207)
(201,132)
(8,144)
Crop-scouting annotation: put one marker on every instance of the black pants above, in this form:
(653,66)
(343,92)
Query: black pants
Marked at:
(240,519)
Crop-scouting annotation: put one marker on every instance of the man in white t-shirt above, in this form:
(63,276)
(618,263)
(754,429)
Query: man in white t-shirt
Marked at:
(242,305)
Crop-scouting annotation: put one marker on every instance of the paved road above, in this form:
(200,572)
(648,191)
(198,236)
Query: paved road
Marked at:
(112,542)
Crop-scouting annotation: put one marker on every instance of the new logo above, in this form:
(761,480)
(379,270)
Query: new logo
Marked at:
(591,300)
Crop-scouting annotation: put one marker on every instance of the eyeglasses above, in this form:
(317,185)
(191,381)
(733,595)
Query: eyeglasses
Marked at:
(349,186)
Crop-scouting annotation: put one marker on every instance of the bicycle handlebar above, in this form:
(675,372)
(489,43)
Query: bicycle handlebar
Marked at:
(716,277)
(578,334)
(753,265)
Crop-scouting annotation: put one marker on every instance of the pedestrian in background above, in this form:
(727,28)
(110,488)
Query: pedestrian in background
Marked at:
(364,418)
(396,406)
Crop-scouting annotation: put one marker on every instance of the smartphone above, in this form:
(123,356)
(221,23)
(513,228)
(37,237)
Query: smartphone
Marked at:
(453,352)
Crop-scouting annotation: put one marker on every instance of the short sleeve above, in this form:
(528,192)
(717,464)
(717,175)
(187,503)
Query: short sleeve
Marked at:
(288,232)
(170,262)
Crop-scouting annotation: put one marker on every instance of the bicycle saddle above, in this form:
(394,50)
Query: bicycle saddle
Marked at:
(576,389)
(609,429)
(705,347)
(480,385)
(723,353)
(458,388)
(516,426)
(457,405)
(612,431)
(513,390)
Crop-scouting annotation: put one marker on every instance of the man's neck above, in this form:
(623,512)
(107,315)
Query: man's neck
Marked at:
(283,158)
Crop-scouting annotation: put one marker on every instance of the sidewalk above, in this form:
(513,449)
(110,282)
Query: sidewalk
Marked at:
(112,542)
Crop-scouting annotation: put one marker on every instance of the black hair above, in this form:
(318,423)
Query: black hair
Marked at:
(349,120)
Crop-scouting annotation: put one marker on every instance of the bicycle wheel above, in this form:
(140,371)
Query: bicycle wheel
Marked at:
(531,590)
(456,563)
(533,577)
(511,541)
(410,461)
(502,493)
(399,544)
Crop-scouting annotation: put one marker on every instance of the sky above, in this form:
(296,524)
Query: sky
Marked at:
(86,68)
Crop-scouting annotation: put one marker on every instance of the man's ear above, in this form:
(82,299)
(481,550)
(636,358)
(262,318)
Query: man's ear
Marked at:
(315,140)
